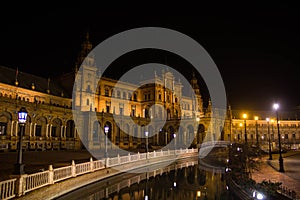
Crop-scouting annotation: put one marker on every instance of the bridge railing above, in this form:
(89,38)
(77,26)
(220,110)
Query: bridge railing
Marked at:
(24,183)
(8,188)
(214,143)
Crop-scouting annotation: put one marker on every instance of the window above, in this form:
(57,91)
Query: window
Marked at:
(159,96)
(286,136)
(53,131)
(145,97)
(149,97)
(106,92)
(87,102)
(133,110)
(38,130)
(294,136)
(88,89)
(3,128)
(107,109)
(134,97)
(121,111)
(176,100)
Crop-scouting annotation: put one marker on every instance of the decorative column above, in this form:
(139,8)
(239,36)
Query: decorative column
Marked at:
(61,131)
(17,128)
(47,130)
(50,131)
(30,129)
(12,128)
(34,128)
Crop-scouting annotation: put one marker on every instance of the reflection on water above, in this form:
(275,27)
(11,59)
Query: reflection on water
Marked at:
(186,179)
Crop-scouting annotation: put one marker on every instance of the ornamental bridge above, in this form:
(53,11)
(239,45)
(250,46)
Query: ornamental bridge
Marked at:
(78,175)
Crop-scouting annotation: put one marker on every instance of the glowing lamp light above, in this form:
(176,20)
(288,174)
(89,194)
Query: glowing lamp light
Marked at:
(276,106)
(198,193)
(257,195)
(106,129)
(22,115)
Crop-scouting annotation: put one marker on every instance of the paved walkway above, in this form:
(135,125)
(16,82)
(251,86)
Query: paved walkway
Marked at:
(269,170)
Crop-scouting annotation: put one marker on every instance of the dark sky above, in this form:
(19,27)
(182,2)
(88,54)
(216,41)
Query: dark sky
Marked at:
(256,47)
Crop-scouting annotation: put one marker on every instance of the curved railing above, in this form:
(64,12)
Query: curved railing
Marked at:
(24,183)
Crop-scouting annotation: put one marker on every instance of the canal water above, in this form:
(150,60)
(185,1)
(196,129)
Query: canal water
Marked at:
(191,179)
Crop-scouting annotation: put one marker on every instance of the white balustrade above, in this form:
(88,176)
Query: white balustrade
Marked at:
(83,168)
(124,159)
(37,180)
(143,156)
(99,164)
(134,157)
(62,173)
(113,161)
(40,179)
(7,189)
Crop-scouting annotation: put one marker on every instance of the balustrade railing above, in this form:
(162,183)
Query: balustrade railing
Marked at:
(37,180)
(62,173)
(8,188)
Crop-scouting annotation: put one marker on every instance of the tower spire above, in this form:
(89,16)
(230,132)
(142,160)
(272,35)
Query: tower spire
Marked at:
(194,84)
(86,48)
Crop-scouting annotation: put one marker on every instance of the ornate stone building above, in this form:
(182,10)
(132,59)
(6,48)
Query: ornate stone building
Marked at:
(126,108)
(261,130)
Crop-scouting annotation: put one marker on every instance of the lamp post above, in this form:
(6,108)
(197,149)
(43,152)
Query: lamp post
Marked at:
(19,166)
(106,129)
(256,131)
(281,169)
(146,134)
(174,136)
(245,125)
(270,150)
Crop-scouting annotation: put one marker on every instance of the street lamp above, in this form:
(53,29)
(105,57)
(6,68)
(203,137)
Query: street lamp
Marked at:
(281,169)
(256,131)
(174,136)
(245,117)
(270,150)
(106,129)
(22,116)
(146,134)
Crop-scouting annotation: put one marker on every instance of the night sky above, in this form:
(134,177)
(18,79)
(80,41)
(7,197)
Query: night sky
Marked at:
(255,47)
